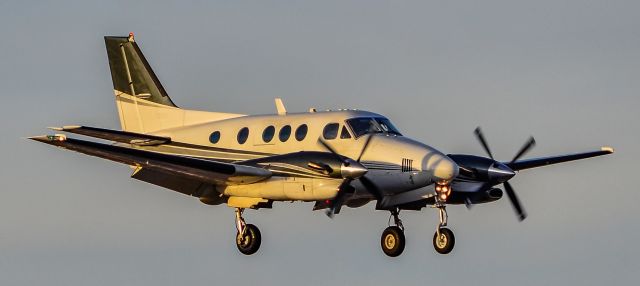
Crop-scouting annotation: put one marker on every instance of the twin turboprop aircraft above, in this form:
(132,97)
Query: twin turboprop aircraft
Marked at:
(332,158)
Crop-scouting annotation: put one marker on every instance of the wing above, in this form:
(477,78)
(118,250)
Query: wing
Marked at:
(205,171)
(538,162)
(115,135)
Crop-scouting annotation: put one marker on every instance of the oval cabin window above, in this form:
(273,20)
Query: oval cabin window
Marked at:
(267,134)
(301,132)
(214,137)
(243,135)
(331,131)
(285,133)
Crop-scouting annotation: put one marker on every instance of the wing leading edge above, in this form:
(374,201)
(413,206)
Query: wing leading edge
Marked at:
(116,135)
(186,167)
(539,162)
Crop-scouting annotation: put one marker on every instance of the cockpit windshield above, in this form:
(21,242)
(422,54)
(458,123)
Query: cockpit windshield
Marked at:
(366,125)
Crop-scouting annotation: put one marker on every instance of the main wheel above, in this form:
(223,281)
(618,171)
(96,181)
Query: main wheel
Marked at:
(443,243)
(249,243)
(392,241)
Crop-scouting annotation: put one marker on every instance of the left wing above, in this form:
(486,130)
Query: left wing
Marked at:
(539,162)
(116,135)
(205,171)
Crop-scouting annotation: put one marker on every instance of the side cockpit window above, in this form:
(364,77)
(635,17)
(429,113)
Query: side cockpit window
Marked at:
(387,126)
(365,125)
(344,134)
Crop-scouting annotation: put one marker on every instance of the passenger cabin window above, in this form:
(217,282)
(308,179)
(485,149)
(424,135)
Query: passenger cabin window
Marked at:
(285,133)
(331,131)
(344,134)
(243,134)
(362,126)
(301,132)
(214,137)
(267,134)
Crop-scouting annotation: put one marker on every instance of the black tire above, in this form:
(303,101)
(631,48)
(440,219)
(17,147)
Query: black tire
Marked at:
(392,241)
(444,244)
(250,243)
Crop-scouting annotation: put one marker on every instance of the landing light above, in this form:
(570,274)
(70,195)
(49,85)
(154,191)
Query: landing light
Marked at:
(443,191)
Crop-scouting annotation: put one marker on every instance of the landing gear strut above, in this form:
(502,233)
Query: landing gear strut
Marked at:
(392,240)
(443,239)
(248,237)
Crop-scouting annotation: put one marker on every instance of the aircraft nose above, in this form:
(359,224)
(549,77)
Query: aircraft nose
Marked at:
(444,169)
(499,172)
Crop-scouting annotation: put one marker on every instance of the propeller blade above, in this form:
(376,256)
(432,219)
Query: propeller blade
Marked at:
(364,147)
(514,201)
(525,148)
(333,151)
(483,141)
(336,203)
(371,187)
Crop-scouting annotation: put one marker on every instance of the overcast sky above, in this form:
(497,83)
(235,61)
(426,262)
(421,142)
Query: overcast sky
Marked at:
(566,72)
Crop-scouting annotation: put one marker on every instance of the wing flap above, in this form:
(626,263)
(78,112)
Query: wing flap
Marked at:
(190,168)
(116,135)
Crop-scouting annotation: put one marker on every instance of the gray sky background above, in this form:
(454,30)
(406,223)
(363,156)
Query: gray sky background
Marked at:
(563,71)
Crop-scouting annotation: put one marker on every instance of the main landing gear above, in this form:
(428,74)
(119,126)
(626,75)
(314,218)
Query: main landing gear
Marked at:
(248,236)
(392,240)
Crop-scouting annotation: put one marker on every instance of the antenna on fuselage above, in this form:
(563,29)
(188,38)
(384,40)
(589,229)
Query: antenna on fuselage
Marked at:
(280,107)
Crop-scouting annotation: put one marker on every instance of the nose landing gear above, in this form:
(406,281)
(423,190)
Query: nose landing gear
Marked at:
(248,237)
(393,240)
(443,239)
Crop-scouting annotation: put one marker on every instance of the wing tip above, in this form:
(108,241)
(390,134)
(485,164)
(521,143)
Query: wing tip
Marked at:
(607,149)
(65,128)
(48,138)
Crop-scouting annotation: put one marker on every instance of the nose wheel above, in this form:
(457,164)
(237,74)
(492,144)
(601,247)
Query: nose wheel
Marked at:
(443,240)
(248,237)
(393,240)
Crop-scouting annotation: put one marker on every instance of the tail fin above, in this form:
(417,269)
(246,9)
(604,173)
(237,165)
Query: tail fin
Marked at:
(143,104)
(131,72)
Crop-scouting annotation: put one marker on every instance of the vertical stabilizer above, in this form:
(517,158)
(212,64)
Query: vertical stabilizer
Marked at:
(143,104)
(131,72)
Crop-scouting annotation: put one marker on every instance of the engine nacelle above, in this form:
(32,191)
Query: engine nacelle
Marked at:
(481,197)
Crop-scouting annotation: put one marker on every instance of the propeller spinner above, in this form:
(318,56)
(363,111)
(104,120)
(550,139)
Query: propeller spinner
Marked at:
(351,170)
(501,173)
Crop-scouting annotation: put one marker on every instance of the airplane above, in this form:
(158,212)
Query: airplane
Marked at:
(337,158)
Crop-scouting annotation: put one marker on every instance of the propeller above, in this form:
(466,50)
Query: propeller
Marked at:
(344,187)
(515,202)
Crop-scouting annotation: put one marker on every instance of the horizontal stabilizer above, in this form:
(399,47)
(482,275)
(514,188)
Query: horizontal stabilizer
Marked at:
(116,135)
(539,162)
(191,168)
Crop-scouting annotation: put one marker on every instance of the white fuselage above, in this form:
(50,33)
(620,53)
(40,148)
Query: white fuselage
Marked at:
(395,163)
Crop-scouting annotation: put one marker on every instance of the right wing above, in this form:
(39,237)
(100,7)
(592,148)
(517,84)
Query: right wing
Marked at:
(204,171)
(539,162)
